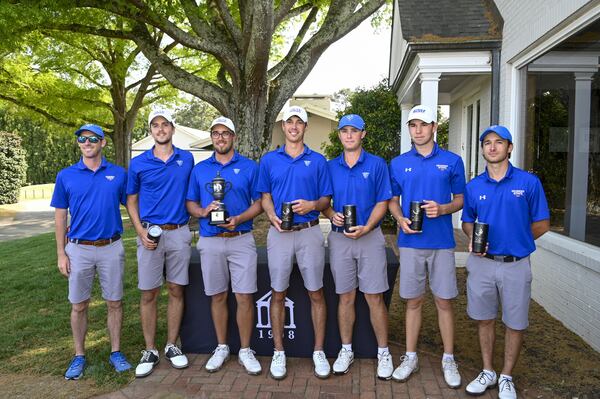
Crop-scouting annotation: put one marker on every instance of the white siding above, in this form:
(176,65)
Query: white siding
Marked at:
(566,282)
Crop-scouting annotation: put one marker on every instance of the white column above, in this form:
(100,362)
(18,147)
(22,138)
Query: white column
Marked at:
(429,92)
(581,149)
(429,89)
(405,142)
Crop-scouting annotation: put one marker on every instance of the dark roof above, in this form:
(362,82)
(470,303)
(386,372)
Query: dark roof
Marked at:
(444,21)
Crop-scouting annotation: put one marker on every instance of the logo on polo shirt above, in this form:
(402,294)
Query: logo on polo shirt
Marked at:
(179,162)
(518,193)
(408,169)
(482,197)
(442,167)
(306,163)
(365,174)
(236,171)
(264,317)
(109,178)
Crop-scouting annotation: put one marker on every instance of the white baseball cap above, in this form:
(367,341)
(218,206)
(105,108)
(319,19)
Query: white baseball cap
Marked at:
(423,113)
(295,111)
(160,112)
(221,120)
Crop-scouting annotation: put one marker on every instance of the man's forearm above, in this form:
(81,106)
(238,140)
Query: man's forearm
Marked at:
(267,204)
(455,205)
(134,213)
(377,214)
(395,209)
(60,230)
(467,229)
(253,211)
(322,203)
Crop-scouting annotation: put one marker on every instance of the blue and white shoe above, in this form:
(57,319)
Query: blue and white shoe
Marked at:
(119,362)
(75,370)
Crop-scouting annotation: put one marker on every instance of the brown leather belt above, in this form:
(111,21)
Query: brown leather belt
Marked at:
(305,225)
(229,234)
(96,243)
(164,226)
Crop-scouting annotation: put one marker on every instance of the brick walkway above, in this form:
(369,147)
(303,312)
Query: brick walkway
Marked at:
(232,382)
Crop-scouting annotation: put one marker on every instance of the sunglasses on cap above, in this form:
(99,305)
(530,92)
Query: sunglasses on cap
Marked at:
(91,139)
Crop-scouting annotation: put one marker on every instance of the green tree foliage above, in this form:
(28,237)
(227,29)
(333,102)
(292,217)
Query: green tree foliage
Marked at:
(379,108)
(442,130)
(47,150)
(13,170)
(196,114)
(261,50)
(71,79)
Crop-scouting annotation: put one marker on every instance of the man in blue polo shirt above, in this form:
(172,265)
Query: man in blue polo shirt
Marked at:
(512,203)
(435,177)
(228,251)
(295,173)
(357,257)
(91,191)
(156,190)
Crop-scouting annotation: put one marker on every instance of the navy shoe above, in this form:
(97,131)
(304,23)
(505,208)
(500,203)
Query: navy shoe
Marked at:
(75,370)
(119,362)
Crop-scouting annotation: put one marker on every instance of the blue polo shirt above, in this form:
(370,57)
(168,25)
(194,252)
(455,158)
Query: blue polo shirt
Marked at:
(92,198)
(364,185)
(288,179)
(241,172)
(162,186)
(434,177)
(509,206)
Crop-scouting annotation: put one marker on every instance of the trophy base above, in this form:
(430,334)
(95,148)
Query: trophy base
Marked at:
(217,218)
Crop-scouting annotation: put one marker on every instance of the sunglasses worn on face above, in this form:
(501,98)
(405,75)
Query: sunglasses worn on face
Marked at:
(225,134)
(91,139)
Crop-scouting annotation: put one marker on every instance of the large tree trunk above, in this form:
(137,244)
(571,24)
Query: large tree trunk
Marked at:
(253,128)
(121,139)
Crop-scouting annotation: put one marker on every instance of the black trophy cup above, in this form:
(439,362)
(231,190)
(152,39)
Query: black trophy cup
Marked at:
(480,237)
(349,217)
(287,216)
(154,233)
(416,216)
(218,187)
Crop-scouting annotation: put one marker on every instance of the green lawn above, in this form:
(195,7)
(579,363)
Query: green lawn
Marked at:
(35,334)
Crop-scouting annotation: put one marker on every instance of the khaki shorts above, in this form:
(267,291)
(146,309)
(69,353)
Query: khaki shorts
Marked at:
(358,263)
(223,259)
(416,263)
(108,261)
(491,281)
(307,245)
(173,254)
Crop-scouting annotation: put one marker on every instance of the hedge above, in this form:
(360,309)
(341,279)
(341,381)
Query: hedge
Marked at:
(13,167)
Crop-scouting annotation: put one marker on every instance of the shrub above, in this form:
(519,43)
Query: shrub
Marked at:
(13,167)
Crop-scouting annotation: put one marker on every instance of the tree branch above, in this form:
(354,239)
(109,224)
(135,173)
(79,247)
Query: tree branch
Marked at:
(341,19)
(38,110)
(230,25)
(177,76)
(283,10)
(312,16)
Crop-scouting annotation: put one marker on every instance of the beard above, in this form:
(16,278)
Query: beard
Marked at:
(223,149)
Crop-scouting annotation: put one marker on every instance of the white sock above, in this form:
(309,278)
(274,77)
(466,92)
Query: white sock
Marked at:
(244,349)
(348,347)
(223,346)
(508,377)
(447,356)
(381,351)
(275,352)
(411,355)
